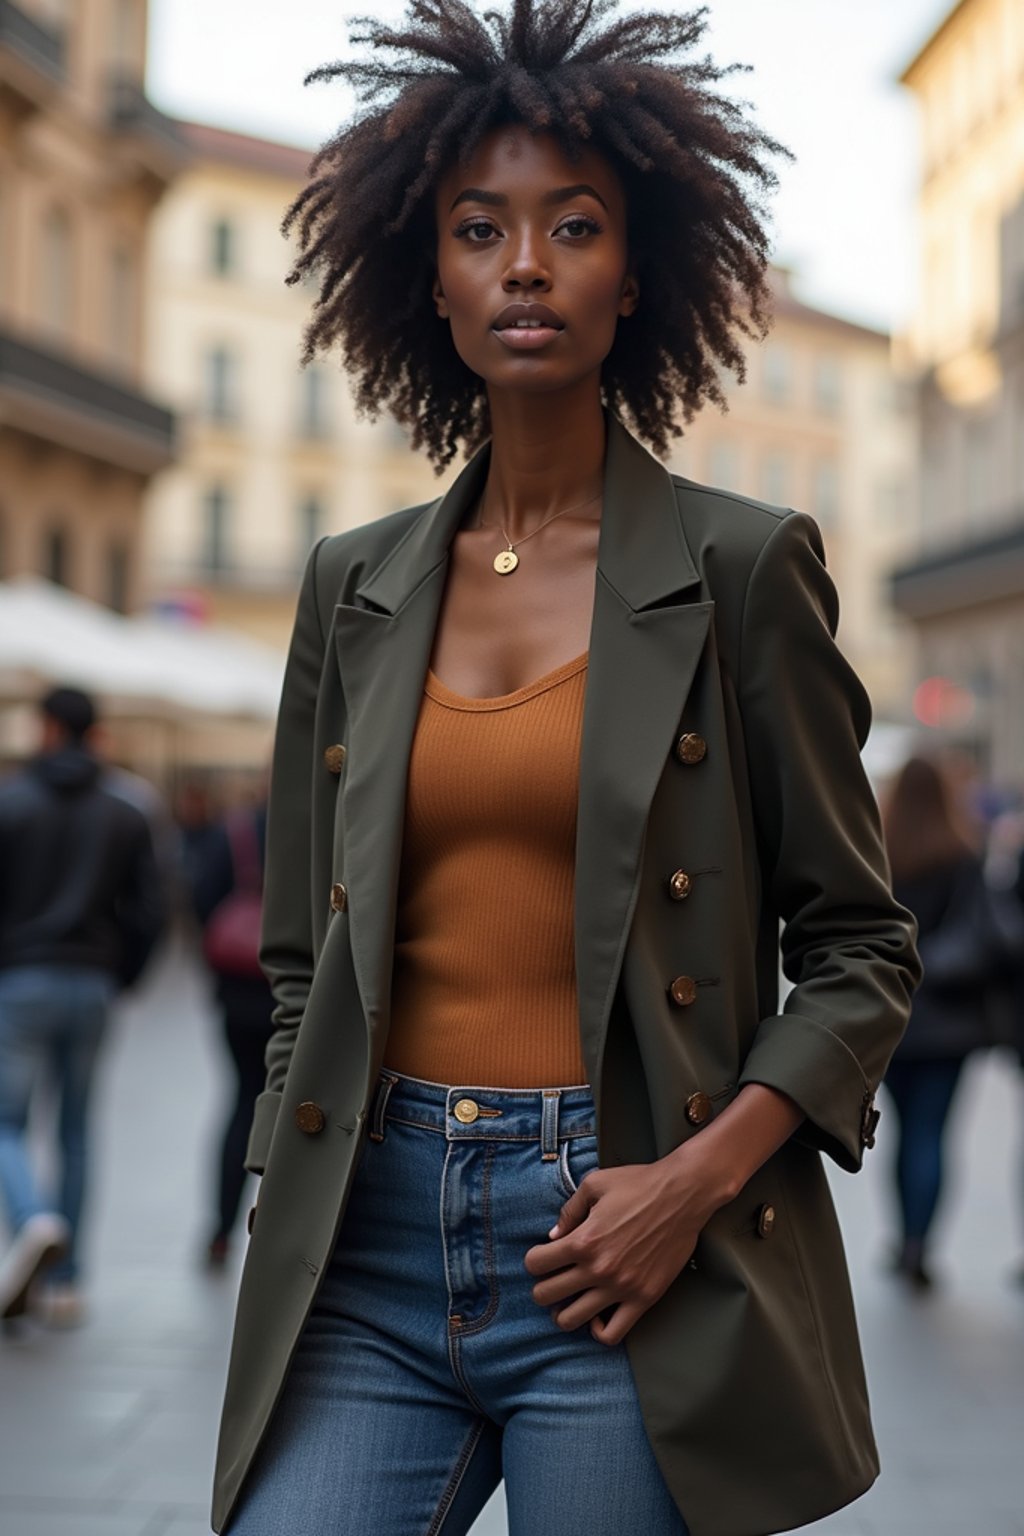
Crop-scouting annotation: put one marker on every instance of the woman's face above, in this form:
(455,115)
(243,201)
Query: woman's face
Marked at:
(532,261)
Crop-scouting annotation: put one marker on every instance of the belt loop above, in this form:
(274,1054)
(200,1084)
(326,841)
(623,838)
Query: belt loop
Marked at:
(549,1125)
(380,1105)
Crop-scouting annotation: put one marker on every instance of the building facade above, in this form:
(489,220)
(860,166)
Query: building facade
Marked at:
(84,160)
(272,455)
(825,424)
(964,587)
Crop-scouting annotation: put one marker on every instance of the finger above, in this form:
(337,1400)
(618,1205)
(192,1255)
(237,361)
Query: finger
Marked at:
(613,1330)
(568,1282)
(544,1259)
(573,1212)
(583,1308)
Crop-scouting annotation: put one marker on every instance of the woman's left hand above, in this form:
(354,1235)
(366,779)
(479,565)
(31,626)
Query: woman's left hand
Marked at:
(619,1242)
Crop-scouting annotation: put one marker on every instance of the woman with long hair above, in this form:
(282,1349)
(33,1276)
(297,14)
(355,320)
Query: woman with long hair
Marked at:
(937,875)
(543,1194)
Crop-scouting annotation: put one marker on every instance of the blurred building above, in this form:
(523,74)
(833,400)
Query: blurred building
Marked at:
(272,455)
(824,424)
(964,588)
(84,160)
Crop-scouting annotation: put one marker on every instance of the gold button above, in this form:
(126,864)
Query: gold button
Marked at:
(698,1108)
(334,757)
(691,748)
(766,1221)
(309,1117)
(466,1111)
(680,885)
(683,991)
(339,898)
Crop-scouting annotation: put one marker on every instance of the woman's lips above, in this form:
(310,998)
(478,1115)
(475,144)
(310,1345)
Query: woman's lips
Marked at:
(522,338)
(527,326)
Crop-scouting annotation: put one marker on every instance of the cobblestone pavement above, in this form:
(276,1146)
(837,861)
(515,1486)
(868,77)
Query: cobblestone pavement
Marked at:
(109,1431)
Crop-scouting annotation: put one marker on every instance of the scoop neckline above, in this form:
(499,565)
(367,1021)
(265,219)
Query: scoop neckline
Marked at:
(442,694)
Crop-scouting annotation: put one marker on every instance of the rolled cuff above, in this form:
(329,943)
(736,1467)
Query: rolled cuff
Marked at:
(263,1121)
(822,1076)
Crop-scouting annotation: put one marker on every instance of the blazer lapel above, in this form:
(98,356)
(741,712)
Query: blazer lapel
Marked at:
(383,641)
(645,646)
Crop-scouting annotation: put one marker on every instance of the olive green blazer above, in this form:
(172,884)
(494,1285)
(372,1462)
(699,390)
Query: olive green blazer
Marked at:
(721,737)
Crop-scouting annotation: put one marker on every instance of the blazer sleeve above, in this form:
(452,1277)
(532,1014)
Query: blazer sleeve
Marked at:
(847,945)
(286,948)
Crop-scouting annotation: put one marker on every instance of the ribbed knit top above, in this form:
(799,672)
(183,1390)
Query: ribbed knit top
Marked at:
(484,990)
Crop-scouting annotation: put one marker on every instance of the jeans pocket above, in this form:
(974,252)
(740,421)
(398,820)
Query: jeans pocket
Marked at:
(576,1158)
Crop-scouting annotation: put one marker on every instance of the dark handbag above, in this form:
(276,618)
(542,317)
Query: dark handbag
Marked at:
(979,941)
(231,938)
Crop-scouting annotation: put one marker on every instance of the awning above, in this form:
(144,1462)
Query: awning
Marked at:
(49,636)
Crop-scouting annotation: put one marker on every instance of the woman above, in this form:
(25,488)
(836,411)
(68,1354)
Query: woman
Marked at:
(542,1192)
(939,877)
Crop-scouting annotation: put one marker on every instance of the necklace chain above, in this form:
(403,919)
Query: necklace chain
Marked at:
(562,512)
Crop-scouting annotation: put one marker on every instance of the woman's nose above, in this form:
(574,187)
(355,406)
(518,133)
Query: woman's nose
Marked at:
(526,269)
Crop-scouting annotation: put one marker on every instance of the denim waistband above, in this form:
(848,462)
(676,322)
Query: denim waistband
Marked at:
(471,1113)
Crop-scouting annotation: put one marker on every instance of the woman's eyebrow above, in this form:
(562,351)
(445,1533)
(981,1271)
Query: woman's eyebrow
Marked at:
(477,195)
(563,194)
(499,200)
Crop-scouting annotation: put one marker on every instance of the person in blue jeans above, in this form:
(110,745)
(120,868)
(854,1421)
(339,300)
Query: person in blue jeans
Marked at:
(80,910)
(937,876)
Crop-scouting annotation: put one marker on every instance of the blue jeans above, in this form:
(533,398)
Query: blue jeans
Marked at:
(426,1371)
(52,1020)
(923,1094)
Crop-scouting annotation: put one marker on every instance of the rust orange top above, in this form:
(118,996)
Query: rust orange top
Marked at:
(484,990)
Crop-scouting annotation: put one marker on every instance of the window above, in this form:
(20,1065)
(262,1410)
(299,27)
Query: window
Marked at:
(776,373)
(117,577)
(56,274)
(216,515)
(724,466)
(220,385)
(313,405)
(979,467)
(892,501)
(56,557)
(775,479)
(311,523)
(825,492)
(223,255)
(122,306)
(828,385)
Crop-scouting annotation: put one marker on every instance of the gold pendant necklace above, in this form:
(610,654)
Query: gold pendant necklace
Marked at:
(507,561)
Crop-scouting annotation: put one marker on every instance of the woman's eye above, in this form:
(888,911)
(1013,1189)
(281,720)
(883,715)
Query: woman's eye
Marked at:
(475,231)
(577,228)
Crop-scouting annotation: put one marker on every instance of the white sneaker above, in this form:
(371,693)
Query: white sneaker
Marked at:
(41,1242)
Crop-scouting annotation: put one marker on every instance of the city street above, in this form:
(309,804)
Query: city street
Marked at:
(109,1431)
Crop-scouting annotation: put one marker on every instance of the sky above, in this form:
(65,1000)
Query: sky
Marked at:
(823,82)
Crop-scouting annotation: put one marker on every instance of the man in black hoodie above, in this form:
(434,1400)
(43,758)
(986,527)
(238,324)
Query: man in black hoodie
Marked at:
(81,907)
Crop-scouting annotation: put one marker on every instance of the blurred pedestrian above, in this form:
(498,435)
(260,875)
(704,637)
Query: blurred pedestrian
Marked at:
(80,910)
(1018,1022)
(937,874)
(227,875)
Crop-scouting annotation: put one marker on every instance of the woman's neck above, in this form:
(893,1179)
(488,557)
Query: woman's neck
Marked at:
(547,454)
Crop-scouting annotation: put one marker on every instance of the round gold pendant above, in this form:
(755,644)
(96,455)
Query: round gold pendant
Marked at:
(506,562)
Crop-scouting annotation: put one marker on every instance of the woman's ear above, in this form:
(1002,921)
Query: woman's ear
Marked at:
(440,302)
(630,296)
